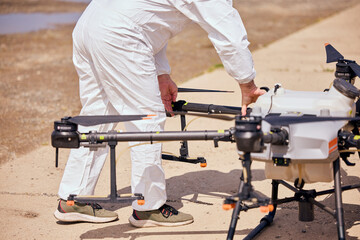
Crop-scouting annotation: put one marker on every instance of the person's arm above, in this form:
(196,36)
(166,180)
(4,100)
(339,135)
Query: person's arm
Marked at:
(168,91)
(226,31)
(168,88)
(161,62)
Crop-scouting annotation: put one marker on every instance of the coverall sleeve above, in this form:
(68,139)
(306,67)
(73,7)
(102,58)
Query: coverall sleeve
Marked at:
(226,31)
(161,62)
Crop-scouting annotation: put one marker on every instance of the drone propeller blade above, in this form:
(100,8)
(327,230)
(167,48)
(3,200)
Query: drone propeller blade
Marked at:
(332,55)
(98,119)
(273,119)
(287,120)
(201,90)
(355,67)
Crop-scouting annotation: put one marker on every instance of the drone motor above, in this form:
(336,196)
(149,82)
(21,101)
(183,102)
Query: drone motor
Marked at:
(343,71)
(248,134)
(65,134)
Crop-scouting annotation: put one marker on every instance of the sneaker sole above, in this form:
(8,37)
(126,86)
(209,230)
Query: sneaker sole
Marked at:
(151,223)
(79,217)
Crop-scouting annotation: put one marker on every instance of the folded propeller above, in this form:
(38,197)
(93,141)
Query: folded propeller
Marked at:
(332,55)
(273,119)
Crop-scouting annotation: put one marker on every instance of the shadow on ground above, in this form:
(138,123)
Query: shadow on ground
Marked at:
(219,184)
(122,231)
(211,183)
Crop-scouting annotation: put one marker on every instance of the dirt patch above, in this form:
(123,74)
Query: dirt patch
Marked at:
(39,83)
(17,212)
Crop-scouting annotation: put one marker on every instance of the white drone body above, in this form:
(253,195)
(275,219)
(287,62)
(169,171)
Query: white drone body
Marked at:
(312,147)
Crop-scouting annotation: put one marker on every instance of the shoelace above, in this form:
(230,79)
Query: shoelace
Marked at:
(167,211)
(94,206)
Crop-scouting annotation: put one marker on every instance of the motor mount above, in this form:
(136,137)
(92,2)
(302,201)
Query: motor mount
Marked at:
(248,134)
(65,134)
(343,71)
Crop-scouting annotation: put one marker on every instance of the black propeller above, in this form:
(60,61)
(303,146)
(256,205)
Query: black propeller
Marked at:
(287,120)
(98,119)
(275,119)
(355,67)
(332,55)
(201,90)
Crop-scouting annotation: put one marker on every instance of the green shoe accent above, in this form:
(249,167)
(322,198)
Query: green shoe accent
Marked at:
(83,212)
(164,216)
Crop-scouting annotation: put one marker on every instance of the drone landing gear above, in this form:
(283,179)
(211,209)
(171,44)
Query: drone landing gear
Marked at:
(184,149)
(245,194)
(113,197)
(306,199)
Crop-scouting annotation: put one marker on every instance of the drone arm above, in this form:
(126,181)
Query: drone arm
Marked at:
(205,108)
(154,136)
(347,140)
(276,137)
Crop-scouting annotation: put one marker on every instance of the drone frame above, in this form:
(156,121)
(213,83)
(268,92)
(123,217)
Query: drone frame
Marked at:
(68,137)
(245,191)
(306,198)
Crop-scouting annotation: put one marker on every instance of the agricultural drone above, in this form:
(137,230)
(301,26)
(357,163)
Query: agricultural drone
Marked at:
(300,136)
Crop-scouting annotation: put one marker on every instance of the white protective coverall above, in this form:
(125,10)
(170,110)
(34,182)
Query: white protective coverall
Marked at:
(119,50)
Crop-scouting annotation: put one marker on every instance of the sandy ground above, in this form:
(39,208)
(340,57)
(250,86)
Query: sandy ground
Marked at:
(29,183)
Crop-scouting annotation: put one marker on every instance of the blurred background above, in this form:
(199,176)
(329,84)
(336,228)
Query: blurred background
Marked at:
(38,83)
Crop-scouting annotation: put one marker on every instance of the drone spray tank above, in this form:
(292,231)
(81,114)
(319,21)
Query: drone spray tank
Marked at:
(312,146)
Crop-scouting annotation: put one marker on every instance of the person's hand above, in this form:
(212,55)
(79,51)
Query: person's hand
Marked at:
(168,91)
(249,94)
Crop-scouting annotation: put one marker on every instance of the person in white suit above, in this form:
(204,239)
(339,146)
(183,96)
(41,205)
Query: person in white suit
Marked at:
(119,51)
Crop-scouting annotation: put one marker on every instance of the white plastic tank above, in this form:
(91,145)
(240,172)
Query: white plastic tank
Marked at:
(312,146)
